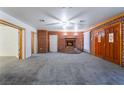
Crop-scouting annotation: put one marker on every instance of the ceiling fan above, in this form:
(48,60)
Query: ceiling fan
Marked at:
(61,22)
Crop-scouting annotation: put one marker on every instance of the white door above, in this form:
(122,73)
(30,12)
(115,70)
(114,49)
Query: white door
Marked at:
(53,43)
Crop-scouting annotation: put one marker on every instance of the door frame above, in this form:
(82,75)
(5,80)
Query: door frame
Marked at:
(21,34)
(32,42)
(57,41)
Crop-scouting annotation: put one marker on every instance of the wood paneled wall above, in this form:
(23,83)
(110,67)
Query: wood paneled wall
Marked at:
(104,49)
(42,41)
(122,44)
(61,39)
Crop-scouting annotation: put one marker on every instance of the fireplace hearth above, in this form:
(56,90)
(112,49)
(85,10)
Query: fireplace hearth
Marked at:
(70,46)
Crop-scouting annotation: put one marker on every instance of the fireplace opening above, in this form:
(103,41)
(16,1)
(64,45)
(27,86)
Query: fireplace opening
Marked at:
(70,42)
(70,46)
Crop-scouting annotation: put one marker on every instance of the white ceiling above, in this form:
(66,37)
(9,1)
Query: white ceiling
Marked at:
(89,15)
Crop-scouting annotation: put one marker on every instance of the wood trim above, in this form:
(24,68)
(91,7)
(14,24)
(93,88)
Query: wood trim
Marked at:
(108,20)
(32,42)
(24,44)
(20,44)
(10,24)
(20,30)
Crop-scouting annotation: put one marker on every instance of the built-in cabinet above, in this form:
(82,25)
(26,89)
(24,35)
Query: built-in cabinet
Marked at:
(106,42)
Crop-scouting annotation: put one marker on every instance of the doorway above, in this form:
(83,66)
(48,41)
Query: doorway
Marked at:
(53,43)
(20,40)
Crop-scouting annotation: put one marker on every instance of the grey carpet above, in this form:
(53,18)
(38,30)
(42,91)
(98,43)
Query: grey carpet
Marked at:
(60,69)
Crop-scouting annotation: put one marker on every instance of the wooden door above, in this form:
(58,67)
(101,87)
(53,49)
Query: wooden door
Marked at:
(107,44)
(102,45)
(116,49)
(111,45)
(92,42)
(112,49)
(98,42)
(96,45)
(32,42)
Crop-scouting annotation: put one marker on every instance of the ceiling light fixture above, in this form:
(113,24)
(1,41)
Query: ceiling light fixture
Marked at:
(65,34)
(75,34)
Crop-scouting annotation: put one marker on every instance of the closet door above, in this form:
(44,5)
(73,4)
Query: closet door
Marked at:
(96,44)
(92,42)
(107,44)
(116,53)
(99,44)
(102,43)
(111,44)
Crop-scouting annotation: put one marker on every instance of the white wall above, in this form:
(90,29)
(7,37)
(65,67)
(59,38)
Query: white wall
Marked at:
(8,41)
(87,41)
(27,27)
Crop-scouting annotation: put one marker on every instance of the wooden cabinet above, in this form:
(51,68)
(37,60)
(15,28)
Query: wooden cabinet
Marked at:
(107,43)
(42,41)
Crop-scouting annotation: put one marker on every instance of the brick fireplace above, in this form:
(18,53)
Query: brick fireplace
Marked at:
(70,42)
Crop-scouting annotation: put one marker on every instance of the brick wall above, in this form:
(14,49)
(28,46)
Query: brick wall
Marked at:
(61,39)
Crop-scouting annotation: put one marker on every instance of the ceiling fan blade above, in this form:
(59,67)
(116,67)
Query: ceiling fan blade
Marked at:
(79,14)
(52,24)
(76,23)
(81,24)
(52,16)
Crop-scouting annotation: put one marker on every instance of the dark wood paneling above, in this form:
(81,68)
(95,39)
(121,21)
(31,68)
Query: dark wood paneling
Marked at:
(104,48)
(42,41)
